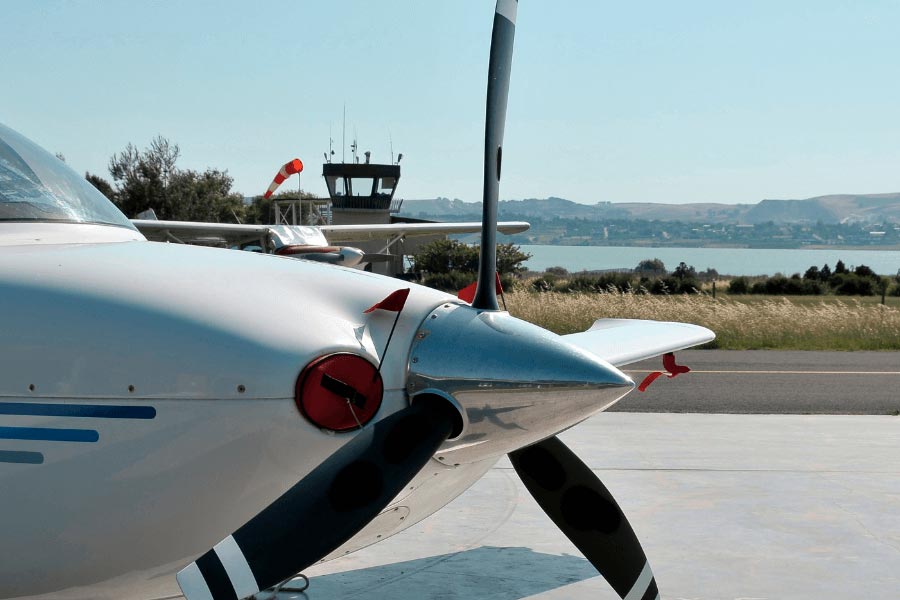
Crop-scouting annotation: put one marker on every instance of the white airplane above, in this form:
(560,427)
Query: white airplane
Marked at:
(162,434)
(306,242)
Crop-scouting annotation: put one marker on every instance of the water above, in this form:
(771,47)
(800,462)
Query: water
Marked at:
(730,261)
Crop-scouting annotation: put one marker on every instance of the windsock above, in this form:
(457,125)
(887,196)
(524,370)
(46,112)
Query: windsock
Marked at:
(294,166)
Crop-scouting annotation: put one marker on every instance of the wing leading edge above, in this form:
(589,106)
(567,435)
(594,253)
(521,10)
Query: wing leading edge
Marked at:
(358,233)
(624,341)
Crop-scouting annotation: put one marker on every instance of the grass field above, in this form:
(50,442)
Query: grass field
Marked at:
(740,322)
(890,301)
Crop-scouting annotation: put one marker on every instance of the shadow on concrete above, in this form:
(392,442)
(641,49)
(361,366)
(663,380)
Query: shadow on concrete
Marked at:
(487,572)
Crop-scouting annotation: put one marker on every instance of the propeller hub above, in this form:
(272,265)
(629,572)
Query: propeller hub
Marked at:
(514,383)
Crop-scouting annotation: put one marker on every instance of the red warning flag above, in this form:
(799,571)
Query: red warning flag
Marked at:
(671,370)
(290,168)
(467,294)
(394,302)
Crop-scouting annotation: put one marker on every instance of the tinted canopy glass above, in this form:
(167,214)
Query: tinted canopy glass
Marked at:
(37,186)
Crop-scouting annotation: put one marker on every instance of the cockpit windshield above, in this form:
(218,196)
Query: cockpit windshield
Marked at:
(37,186)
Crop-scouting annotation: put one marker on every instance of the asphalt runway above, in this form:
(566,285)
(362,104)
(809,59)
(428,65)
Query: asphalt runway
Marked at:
(771,382)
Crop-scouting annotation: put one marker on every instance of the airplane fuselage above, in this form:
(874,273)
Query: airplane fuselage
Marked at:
(147,403)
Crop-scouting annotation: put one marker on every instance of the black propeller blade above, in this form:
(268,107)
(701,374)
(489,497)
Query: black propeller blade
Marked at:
(324,509)
(565,487)
(586,512)
(502,37)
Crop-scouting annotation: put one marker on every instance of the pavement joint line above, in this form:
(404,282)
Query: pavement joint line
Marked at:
(775,372)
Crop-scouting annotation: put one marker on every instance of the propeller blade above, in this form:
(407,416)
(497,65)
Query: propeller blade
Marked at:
(581,506)
(502,37)
(324,509)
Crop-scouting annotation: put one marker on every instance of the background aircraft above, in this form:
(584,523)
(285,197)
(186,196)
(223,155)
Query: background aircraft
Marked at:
(307,242)
(155,419)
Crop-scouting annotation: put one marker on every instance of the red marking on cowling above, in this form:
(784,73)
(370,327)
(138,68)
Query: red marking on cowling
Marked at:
(394,302)
(467,294)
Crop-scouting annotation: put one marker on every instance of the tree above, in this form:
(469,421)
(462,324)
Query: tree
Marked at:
(864,271)
(651,266)
(102,185)
(451,265)
(840,268)
(738,285)
(444,256)
(813,273)
(683,271)
(563,272)
(204,196)
(150,178)
(261,209)
(510,258)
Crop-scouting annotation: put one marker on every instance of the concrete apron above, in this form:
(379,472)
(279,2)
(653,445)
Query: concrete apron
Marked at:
(727,506)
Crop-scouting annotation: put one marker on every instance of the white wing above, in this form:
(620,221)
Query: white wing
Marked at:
(358,233)
(231,234)
(624,341)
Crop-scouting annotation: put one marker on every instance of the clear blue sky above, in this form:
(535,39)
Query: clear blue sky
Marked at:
(610,101)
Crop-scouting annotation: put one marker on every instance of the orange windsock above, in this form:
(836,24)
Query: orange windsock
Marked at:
(294,166)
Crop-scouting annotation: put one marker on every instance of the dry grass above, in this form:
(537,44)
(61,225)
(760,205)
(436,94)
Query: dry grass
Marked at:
(773,323)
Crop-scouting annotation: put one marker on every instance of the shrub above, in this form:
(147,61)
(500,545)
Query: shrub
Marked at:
(450,282)
(597,283)
(851,284)
(651,266)
(557,271)
(738,285)
(674,285)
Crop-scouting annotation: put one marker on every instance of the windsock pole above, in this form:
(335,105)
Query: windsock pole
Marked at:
(290,168)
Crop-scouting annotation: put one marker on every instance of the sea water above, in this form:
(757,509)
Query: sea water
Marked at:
(730,261)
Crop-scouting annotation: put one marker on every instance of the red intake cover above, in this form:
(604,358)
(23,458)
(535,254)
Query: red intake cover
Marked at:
(333,388)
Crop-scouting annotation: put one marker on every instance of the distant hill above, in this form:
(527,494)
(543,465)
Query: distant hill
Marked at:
(834,209)
(838,208)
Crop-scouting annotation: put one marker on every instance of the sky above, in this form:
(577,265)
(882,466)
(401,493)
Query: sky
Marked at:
(651,101)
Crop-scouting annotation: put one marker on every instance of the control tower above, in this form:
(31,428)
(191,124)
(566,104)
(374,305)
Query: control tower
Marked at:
(361,194)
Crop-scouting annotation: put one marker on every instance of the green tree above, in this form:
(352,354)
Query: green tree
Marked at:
(683,271)
(150,178)
(864,271)
(261,210)
(557,271)
(840,268)
(102,185)
(651,266)
(451,265)
(445,256)
(739,285)
(510,258)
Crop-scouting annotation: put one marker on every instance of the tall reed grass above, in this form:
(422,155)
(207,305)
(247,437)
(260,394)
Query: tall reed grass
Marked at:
(770,324)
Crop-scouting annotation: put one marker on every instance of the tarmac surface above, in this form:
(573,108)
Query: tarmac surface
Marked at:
(749,506)
(772,382)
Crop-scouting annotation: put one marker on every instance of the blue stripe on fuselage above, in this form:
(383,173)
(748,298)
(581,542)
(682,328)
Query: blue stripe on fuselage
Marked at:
(97,411)
(28,458)
(49,435)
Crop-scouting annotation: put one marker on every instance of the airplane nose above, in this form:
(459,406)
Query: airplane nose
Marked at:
(513,382)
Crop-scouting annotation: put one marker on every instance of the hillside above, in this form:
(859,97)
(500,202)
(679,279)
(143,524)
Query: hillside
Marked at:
(829,210)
